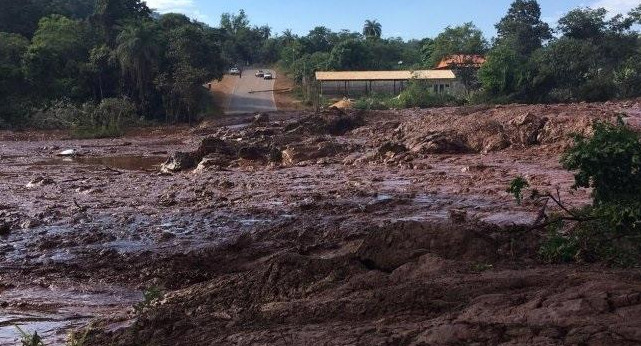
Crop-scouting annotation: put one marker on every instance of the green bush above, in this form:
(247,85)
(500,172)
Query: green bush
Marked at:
(609,162)
(109,118)
(372,103)
(150,296)
(420,94)
(610,229)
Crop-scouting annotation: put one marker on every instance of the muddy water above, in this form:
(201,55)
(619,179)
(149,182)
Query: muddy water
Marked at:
(54,311)
(129,163)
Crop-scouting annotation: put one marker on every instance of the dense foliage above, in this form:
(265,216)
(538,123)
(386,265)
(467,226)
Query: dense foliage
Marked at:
(113,55)
(80,51)
(594,58)
(609,229)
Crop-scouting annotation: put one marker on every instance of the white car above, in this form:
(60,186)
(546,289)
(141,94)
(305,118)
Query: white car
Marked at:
(268,75)
(234,71)
(260,73)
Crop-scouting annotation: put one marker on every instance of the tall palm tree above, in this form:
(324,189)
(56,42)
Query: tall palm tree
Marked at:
(138,50)
(372,29)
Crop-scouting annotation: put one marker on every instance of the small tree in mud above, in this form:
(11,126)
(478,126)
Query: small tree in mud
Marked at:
(610,229)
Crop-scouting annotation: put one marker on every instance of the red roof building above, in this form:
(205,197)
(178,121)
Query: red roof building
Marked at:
(461,60)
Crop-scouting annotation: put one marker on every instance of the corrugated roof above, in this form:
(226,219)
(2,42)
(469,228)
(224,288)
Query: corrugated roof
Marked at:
(383,75)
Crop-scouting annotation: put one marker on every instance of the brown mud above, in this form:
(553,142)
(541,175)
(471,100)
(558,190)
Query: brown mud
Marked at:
(378,228)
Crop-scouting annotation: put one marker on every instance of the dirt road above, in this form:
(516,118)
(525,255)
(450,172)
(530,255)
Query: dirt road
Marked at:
(252,94)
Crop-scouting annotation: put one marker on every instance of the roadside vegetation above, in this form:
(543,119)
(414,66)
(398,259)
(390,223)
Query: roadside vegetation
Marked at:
(609,229)
(81,53)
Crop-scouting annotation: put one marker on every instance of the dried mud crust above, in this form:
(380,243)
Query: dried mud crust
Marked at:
(340,228)
(405,294)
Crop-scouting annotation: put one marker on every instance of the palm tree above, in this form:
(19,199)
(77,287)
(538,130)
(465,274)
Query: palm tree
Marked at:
(138,52)
(372,29)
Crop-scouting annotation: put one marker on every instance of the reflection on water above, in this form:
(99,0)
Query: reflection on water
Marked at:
(53,311)
(129,163)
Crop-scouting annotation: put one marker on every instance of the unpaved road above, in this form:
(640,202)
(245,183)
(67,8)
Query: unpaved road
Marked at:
(345,238)
(251,94)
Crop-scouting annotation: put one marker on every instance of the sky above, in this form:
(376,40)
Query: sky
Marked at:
(408,19)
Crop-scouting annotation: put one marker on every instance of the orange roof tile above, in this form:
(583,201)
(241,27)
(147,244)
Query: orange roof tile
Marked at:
(461,59)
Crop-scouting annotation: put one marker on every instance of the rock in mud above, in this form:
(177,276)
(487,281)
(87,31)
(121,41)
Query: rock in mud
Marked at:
(177,162)
(212,162)
(529,126)
(180,161)
(212,145)
(39,181)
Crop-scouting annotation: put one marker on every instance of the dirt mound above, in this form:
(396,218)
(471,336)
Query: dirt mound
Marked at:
(333,121)
(391,247)
(489,129)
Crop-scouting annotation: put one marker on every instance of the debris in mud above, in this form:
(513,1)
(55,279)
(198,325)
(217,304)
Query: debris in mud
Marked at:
(334,122)
(261,118)
(390,148)
(447,142)
(67,153)
(177,162)
(309,151)
(39,181)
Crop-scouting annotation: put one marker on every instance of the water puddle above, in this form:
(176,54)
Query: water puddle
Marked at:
(128,163)
(52,312)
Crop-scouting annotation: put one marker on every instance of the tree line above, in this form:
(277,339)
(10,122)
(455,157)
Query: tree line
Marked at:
(84,57)
(61,54)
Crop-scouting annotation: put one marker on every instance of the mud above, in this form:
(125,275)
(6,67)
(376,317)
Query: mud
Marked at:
(342,228)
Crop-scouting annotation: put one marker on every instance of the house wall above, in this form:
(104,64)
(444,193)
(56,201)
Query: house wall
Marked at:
(361,88)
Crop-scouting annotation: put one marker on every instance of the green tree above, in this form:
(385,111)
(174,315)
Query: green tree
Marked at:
(349,55)
(53,61)
(464,39)
(522,27)
(584,23)
(111,15)
(505,72)
(372,29)
(138,53)
(12,47)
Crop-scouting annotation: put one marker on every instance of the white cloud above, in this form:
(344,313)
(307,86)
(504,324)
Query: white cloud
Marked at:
(164,6)
(186,7)
(616,6)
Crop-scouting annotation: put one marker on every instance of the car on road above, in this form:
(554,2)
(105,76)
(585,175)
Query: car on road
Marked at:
(260,74)
(234,71)
(268,75)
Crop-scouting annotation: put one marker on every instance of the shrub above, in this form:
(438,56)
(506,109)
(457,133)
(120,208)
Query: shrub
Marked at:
(610,229)
(109,118)
(27,339)
(150,295)
(372,103)
(419,94)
